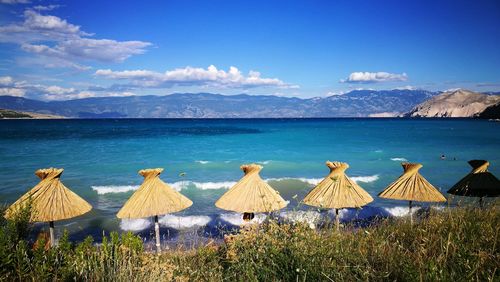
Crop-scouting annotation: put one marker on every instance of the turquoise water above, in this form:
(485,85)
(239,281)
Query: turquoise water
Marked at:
(101,159)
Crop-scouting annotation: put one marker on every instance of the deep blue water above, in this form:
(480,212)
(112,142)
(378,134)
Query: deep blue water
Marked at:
(101,159)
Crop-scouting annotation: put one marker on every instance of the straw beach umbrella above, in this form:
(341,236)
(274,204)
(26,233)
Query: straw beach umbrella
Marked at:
(50,200)
(411,186)
(154,197)
(337,191)
(478,183)
(251,194)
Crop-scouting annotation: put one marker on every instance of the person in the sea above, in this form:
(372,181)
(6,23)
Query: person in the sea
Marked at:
(443,157)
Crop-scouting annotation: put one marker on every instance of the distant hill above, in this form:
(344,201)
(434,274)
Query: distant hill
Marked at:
(10,114)
(459,103)
(491,112)
(360,103)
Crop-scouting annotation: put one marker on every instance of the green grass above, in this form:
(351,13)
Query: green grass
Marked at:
(459,244)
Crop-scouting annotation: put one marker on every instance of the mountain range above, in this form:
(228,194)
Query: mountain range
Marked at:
(458,103)
(358,103)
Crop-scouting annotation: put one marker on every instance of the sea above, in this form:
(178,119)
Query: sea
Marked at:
(202,158)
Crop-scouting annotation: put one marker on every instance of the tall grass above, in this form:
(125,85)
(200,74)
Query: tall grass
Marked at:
(454,244)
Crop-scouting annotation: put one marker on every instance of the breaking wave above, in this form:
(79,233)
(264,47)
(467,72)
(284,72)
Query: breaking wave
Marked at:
(134,224)
(237,218)
(311,217)
(101,190)
(399,159)
(184,222)
(365,179)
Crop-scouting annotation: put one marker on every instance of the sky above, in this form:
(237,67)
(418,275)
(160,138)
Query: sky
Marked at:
(58,50)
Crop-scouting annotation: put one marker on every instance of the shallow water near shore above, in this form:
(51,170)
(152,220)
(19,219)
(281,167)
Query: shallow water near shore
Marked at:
(201,159)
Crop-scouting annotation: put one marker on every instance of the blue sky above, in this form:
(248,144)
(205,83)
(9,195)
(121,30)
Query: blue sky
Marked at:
(57,50)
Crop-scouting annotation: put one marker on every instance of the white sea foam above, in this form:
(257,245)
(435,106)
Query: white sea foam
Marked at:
(179,185)
(203,162)
(399,159)
(184,222)
(134,224)
(264,162)
(316,181)
(213,185)
(312,181)
(371,211)
(202,185)
(378,151)
(101,190)
(310,217)
(365,179)
(237,218)
(400,210)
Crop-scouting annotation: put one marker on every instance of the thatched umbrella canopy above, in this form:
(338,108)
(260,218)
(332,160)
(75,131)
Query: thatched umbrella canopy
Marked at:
(154,197)
(411,186)
(337,191)
(50,200)
(251,194)
(478,183)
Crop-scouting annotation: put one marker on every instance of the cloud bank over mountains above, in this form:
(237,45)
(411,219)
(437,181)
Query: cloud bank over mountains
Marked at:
(374,77)
(189,76)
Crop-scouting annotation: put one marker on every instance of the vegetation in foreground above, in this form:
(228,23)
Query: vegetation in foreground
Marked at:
(455,244)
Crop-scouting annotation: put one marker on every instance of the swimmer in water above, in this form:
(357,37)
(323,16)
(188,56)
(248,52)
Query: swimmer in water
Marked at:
(443,157)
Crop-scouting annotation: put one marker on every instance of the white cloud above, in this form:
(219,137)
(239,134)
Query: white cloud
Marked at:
(6,80)
(452,89)
(33,20)
(10,91)
(57,90)
(45,8)
(12,87)
(336,93)
(52,62)
(189,76)
(103,50)
(373,77)
(61,44)
(407,87)
(38,27)
(15,2)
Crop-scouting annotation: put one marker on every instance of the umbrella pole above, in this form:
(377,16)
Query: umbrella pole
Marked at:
(337,220)
(52,236)
(157,233)
(409,211)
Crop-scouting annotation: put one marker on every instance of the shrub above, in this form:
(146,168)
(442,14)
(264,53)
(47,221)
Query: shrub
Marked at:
(453,244)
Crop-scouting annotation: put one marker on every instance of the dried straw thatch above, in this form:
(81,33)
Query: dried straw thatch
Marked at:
(411,186)
(251,194)
(478,183)
(50,199)
(154,197)
(337,191)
